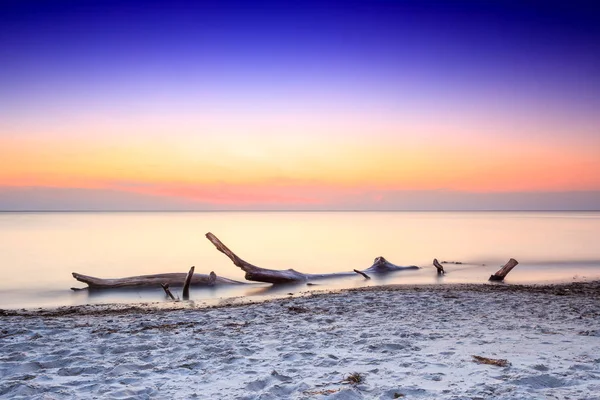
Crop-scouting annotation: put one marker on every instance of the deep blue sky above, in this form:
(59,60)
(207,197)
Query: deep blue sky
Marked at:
(537,47)
(330,103)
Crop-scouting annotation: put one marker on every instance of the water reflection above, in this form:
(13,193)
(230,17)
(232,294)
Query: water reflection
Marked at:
(39,251)
(524,273)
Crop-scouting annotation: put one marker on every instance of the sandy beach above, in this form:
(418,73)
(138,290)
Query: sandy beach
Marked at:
(374,343)
(299,200)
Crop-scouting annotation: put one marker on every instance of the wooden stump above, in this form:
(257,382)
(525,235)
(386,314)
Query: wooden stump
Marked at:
(186,285)
(502,272)
(212,278)
(440,267)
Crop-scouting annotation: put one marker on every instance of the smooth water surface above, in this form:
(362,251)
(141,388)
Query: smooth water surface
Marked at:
(38,251)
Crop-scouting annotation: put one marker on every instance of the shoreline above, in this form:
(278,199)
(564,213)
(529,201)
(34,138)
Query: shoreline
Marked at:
(576,288)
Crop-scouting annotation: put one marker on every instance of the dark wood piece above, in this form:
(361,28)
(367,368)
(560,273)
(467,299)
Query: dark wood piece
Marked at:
(165,287)
(502,272)
(362,273)
(254,273)
(186,285)
(438,266)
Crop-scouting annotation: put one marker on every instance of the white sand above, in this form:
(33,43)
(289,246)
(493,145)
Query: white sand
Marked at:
(409,343)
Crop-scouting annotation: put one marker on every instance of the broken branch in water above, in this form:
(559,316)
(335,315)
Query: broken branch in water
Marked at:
(186,285)
(165,287)
(438,266)
(502,272)
(362,273)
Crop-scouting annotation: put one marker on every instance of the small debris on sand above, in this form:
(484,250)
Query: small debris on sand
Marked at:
(491,361)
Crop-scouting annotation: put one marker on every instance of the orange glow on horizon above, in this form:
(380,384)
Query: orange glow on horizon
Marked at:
(336,164)
(279,161)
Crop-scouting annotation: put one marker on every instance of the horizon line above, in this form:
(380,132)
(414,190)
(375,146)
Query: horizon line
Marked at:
(289,210)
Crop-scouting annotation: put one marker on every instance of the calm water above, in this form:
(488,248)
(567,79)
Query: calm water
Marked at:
(38,251)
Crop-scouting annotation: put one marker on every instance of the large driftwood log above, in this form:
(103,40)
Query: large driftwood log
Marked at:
(257,274)
(172,279)
(502,272)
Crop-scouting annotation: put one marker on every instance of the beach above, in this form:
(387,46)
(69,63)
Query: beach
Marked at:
(370,343)
(299,200)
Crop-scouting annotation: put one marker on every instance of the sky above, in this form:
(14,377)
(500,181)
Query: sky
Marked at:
(356,105)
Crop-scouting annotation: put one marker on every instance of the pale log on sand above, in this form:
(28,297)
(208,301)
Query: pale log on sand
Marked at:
(172,279)
(502,272)
(438,266)
(257,274)
(186,285)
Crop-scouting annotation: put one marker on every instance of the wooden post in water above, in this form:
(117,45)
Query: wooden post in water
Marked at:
(165,287)
(502,272)
(186,285)
(439,267)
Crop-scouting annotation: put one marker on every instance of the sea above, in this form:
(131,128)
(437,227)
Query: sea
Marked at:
(40,250)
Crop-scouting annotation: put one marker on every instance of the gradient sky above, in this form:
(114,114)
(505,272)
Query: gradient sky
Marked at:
(299,105)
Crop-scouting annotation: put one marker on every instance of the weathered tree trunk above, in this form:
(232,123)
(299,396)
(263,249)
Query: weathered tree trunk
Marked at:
(438,266)
(172,279)
(186,285)
(254,273)
(502,272)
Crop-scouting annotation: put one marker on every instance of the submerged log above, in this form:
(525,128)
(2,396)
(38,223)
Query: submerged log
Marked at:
(258,274)
(172,279)
(438,266)
(502,272)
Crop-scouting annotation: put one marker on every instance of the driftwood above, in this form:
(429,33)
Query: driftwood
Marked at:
(165,287)
(438,266)
(362,273)
(172,279)
(502,272)
(212,278)
(257,274)
(186,284)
